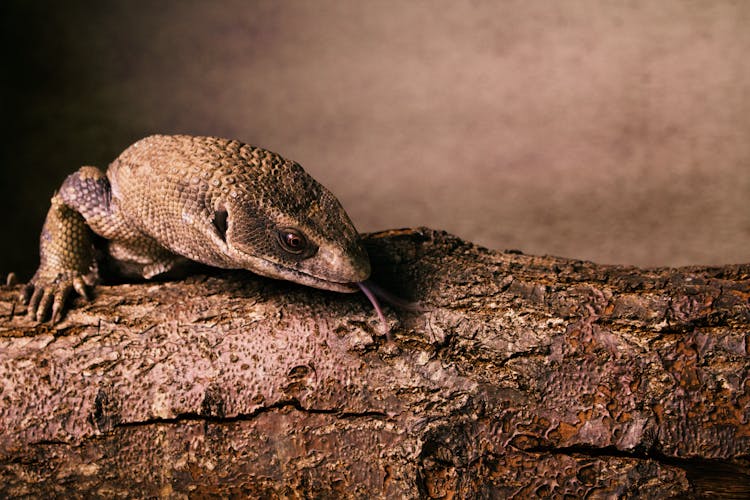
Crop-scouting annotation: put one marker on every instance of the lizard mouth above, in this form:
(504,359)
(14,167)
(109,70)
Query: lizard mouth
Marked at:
(368,288)
(312,280)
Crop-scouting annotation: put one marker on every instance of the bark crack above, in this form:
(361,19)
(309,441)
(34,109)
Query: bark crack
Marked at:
(242,417)
(702,473)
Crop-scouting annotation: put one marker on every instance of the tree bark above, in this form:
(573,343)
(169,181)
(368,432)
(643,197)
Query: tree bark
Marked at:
(523,376)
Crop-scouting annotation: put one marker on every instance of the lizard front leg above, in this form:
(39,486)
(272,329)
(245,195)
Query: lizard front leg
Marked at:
(66,249)
(66,262)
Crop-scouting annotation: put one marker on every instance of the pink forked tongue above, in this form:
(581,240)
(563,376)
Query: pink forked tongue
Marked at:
(373,291)
(365,287)
(392,299)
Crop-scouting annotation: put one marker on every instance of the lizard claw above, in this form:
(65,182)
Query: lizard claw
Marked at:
(59,302)
(25,294)
(79,285)
(45,293)
(45,304)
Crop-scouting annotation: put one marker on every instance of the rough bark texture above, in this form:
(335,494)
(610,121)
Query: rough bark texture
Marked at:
(526,376)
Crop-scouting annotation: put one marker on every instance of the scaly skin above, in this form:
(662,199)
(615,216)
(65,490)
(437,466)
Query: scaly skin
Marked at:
(215,201)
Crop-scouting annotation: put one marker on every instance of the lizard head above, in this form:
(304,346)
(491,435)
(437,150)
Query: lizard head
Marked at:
(279,222)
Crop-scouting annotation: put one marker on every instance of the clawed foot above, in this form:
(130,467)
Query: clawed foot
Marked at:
(46,292)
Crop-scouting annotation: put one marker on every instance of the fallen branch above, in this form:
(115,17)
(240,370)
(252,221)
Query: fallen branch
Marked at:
(524,376)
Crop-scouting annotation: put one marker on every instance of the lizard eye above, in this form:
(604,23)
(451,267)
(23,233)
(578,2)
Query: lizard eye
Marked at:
(220,222)
(292,240)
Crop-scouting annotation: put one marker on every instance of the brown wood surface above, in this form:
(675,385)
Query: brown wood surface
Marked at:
(524,375)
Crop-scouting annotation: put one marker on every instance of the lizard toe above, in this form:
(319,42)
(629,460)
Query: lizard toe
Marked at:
(58,305)
(45,304)
(25,294)
(79,285)
(33,303)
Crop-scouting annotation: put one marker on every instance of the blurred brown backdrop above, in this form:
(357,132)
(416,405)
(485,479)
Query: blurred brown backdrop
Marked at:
(612,131)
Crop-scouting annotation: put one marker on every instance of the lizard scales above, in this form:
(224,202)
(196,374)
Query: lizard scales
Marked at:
(216,201)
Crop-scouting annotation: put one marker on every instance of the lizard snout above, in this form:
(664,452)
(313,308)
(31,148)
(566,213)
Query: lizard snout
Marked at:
(343,267)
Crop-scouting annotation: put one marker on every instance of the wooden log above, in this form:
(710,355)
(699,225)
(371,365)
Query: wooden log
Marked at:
(523,376)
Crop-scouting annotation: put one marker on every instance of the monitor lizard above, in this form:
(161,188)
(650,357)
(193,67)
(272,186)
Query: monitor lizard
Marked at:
(219,202)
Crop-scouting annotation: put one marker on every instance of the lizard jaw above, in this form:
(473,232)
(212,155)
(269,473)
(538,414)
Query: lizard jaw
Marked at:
(304,278)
